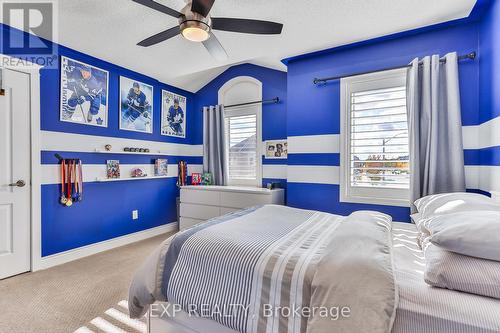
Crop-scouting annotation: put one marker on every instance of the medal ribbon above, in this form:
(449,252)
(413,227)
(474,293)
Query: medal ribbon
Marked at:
(80,180)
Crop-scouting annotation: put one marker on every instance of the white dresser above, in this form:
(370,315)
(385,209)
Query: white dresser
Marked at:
(200,203)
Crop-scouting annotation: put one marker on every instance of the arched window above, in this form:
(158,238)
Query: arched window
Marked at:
(243,130)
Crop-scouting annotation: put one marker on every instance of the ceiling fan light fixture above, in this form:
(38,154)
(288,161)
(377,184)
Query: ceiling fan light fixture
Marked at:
(195,34)
(195,31)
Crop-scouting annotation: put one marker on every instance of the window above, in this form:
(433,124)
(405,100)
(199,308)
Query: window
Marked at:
(374,139)
(241,143)
(243,130)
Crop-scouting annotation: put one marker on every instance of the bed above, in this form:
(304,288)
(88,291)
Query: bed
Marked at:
(363,261)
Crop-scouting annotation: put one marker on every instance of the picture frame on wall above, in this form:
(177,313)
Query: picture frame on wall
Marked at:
(173,114)
(84,93)
(136,106)
(276,149)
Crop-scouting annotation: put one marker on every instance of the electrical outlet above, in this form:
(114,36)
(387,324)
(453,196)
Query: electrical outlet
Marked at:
(135,214)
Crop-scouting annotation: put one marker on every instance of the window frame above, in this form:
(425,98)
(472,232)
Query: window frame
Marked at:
(255,109)
(366,195)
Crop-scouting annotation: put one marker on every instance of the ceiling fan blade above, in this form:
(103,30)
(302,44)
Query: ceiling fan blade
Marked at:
(202,6)
(160,37)
(159,7)
(246,26)
(215,48)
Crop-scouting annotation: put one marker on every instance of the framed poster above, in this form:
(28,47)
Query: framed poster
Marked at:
(173,114)
(136,106)
(84,93)
(277,149)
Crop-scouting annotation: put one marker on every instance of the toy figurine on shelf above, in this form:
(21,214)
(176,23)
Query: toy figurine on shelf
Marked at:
(137,172)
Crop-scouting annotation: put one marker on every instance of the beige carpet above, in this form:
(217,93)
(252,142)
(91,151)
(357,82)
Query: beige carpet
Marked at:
(70,296)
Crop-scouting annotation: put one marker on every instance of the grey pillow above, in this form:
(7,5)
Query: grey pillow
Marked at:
(450,270)
(474,233)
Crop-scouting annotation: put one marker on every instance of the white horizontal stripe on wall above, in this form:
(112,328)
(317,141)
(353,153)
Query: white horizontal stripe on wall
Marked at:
(474,137)
(482,177)
(489,133)
(486,178)
(328,143)
(51,172)
(275,171)
(58,141)
(470,137)
(315,174)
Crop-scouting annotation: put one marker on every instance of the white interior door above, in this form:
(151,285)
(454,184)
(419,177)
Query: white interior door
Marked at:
(15,174)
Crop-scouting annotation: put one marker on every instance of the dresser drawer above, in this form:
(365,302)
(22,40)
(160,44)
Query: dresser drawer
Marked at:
(200,212)
(201,197)
(187,222)
(243,200)
(227,210)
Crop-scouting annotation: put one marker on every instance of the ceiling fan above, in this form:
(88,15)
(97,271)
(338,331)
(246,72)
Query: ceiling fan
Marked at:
(196,25)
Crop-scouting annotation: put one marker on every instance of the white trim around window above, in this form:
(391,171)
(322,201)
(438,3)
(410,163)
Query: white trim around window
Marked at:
(244,89)
(378,189)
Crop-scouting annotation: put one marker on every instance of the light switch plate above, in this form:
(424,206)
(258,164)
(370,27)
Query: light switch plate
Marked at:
(135,214)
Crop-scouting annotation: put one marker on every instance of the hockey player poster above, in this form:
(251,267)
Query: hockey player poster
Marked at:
(173,114)
(136,106)
(84,93)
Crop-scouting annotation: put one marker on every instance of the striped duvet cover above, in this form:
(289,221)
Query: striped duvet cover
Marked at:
(277,269)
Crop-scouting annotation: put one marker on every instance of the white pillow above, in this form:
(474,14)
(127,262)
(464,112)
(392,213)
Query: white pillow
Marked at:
(445,269)
(422,231)
(446,203)
(474,233)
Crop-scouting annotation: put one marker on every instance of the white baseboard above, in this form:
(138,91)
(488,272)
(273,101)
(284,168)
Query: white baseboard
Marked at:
(88,250)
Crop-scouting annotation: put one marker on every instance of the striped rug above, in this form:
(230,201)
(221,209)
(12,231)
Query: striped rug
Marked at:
(115,320)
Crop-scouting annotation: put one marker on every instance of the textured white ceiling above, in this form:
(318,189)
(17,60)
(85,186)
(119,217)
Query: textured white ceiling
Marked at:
(110,29)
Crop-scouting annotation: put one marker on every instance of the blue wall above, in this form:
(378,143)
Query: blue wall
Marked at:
(305,109)
(273,115)
(105,212)
(314,110)
(490,79)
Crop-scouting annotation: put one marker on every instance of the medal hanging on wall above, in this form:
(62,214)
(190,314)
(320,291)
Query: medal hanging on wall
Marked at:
(80,181)
(63,199)
(69,186)
(71,182)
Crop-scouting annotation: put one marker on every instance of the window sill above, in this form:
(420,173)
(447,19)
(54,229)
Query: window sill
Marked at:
(375,201)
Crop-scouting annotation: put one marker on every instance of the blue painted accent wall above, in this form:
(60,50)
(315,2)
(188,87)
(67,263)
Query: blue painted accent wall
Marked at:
(314,110)
(273,115)
(105,212)
(273,85)
(489,42)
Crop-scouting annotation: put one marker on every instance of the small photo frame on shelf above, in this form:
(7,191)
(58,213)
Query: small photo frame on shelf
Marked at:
(207,179)
(112,169)
(161,167)
(195,178)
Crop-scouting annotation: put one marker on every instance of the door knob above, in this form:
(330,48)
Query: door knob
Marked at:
(19,183)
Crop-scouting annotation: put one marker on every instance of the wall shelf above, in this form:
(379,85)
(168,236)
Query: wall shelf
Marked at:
(100,151)
(128,178)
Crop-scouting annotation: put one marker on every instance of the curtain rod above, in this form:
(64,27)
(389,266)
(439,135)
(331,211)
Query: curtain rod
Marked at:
(266,101)
(471,56)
